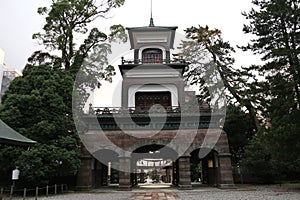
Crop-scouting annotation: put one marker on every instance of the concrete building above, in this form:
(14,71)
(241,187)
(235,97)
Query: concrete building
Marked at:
(2,54)
(7,74)
(156,125)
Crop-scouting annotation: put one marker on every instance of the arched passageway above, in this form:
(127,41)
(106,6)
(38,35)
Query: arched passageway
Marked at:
(105,167)
(154,157)
(204,170)
(153,164)
(157,163)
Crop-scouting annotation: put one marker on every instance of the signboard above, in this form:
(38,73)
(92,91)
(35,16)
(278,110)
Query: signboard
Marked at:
(15,174)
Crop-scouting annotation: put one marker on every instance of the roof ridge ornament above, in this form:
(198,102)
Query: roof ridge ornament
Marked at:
(151,18)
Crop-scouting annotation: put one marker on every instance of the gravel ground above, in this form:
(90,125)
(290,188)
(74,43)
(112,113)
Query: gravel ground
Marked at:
(83,196)
(89,196)
(239,195)
(196,194)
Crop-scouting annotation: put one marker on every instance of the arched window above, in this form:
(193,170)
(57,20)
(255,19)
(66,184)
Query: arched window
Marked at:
(152,55)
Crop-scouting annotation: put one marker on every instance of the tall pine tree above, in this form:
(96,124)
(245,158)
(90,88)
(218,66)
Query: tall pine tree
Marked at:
(276,27)
(212,68)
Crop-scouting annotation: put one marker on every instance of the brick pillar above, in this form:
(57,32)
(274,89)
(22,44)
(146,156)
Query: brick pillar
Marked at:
(85,174)
(184,169)
(225,171)
(124,173)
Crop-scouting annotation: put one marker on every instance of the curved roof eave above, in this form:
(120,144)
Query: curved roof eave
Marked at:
(152,28)
(10,136)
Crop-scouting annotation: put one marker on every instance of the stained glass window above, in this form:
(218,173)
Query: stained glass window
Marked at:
(152,55)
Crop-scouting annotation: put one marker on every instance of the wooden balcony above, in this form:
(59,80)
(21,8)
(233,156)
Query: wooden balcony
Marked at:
(152,61)
(168,118)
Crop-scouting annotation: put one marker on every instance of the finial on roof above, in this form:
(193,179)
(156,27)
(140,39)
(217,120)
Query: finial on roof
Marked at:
(151,19)
(151,22)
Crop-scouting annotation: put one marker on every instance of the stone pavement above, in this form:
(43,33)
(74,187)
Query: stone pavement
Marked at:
(155,196)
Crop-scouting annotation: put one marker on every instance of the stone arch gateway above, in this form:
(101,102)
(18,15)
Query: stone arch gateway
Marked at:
(182,177)
(157,125)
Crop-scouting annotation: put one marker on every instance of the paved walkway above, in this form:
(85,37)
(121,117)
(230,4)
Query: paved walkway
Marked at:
(155,196)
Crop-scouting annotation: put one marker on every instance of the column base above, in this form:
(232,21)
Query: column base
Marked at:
(125,188)
(185,187)
(226,186)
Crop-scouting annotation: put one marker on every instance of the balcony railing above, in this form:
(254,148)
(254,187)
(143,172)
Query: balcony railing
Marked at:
(105,111)
(157,61)
(137,118)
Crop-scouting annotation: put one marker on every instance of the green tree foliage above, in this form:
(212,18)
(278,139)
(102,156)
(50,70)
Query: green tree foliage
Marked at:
(38,106)
(68,19)
(196,170)
(283,136)
(275,25)
(8,156)
(258,161)
(239,131)
(278,145)
(68,23)
(212,68)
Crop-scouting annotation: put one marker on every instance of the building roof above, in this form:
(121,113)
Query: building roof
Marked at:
(152,28)
(12,137)
(152,35)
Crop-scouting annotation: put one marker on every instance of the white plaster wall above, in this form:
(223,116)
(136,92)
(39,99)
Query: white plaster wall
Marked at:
(152,73)
(152,88)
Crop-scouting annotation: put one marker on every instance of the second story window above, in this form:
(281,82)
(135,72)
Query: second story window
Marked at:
(152,55)
(145,100)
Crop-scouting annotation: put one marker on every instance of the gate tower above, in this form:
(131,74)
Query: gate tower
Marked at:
(153,83)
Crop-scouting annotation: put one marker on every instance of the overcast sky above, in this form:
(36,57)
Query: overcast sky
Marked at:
(19,20)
